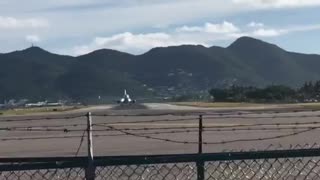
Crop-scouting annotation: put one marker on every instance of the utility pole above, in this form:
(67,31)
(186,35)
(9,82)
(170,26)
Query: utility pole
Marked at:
(200,163)
(90,171)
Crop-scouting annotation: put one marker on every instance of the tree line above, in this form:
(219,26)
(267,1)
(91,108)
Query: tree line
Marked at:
(308,92)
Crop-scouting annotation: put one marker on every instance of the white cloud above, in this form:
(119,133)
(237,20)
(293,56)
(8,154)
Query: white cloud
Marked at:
(278,3)
(33,38)
(267,32)
(272,32)
(205,35)
(225,27)
(255,24)
(134,43)
(14,23)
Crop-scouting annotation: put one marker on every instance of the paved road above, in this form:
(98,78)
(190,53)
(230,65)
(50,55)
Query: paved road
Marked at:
(120,141)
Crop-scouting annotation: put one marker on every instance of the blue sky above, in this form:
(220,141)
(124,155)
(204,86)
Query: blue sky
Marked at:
(77,27)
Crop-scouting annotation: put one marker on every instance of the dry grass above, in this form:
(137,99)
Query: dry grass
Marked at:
(306,106)
(217,104)
(314,106)
(28,111)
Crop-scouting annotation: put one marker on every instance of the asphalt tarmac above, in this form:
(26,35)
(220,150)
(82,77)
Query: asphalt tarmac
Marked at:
(159,129)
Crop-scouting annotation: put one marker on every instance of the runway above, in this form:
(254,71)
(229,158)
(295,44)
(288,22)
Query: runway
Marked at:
(164,129)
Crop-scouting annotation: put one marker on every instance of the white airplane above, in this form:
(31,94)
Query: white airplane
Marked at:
(126,99)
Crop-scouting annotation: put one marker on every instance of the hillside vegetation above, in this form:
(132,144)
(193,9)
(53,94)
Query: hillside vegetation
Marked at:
(34,73)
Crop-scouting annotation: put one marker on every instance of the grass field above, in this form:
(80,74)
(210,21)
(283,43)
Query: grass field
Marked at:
(313,106)
(26,111)
(217,104)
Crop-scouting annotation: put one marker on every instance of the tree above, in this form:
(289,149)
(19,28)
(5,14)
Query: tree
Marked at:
(219,94)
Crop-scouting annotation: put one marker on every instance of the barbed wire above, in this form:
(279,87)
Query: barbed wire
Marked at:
(80,145)
(145,114)
(38,138)
(262,139)
(215,143)
(149,133)
(251,112)
(148,121)
(207,116)
(46,126)
(143,135)
(42,118)
(264,124)
(260,117)
(148,128)
(257,129)
(31,129)
(95,135)
(238,127)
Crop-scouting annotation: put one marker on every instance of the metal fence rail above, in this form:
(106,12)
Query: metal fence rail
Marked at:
(279,164)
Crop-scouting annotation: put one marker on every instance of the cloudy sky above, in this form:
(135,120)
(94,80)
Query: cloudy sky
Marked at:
(76,27)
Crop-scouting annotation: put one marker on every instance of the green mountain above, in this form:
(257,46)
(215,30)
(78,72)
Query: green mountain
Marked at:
(37,74)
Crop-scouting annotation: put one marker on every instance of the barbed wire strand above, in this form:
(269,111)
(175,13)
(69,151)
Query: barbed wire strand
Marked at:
(215,143)
(143,135)
(259,117)
(148,121)
(206,117)
(42,119)
(264,124)
(252,112)
(46,126)
(258,129)
(38,138)
(81,142)
(239,127)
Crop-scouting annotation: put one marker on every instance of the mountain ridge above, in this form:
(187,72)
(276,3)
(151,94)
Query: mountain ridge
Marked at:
(167,71)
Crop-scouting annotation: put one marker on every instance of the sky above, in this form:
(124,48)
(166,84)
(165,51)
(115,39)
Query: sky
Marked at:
(76,27)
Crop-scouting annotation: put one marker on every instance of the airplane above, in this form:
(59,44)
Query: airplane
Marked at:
(126,99)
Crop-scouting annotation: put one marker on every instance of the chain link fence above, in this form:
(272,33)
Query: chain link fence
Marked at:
(275,164)
(44,174)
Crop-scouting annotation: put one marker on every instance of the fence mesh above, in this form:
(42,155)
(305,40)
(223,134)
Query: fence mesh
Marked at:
(152,172)
(295,168)
(44,174)
(284,168)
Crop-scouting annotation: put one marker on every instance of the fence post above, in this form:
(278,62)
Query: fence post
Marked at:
(90,170)
(200,163)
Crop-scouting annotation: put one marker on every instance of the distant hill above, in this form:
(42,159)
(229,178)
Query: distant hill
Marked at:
(37,74)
